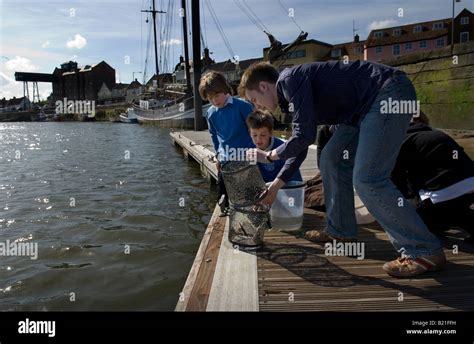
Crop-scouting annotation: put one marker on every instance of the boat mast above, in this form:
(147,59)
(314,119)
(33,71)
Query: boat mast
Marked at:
(153,13)
(198,125)
(186,48)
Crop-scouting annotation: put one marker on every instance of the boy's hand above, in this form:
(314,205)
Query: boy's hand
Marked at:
(257,155)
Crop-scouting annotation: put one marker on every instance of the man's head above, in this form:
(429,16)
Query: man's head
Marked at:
(258,85)
(260,124)
(214,88)
(421,118)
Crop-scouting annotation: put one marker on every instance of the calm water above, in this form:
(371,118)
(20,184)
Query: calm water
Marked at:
(86,193)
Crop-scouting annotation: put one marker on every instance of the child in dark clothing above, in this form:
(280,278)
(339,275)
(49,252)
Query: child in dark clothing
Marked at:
(436,173)
(433,172)
(260,126)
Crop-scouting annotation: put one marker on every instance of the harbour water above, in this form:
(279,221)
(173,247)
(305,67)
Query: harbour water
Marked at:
(115,211)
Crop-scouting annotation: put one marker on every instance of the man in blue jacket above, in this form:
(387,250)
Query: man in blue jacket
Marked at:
(373,105)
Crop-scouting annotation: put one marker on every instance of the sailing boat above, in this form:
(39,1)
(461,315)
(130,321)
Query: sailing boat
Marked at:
(163,111)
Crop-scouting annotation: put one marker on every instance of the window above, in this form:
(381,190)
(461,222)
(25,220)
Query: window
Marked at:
(336,53)
(417,28)
(397,32)
(396,49)
(378,34)
(464,37)
(464,20)
(438,25)
(378,50)
(440,42)
(423,44)
(408,46)
(358,50)
(295,54)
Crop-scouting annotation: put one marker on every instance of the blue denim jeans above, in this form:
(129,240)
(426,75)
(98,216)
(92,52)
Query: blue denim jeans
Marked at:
(363,158)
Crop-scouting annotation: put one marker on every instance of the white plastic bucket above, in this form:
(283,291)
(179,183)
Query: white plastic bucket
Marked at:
(286,213)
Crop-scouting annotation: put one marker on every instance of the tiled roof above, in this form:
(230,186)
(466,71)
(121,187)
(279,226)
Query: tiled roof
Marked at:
(348,49)
(229,66)
(407,34)
(134,84)
(120,86)
(14,101)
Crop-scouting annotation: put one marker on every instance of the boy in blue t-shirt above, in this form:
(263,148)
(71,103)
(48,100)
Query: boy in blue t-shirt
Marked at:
(226,120)
(260,126)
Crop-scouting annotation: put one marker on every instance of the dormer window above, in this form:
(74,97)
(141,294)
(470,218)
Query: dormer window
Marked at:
(397,32)
(438,25)
(336,53)
(378,34)
(417,28)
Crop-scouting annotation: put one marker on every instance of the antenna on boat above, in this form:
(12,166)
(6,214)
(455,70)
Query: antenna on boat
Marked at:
(153,13)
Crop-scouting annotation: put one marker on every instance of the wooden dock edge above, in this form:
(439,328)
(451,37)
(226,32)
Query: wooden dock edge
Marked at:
(196,290)
(198,152)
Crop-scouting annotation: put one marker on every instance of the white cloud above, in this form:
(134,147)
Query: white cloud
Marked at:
(45,44)
(20,64)
(78,42)
(5,79)
(172,41)
(375,25)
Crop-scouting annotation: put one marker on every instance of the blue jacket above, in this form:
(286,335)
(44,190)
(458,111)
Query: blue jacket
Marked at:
(228,129)
(331,92)
(270,171)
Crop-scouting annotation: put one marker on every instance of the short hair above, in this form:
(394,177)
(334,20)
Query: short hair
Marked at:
(260,119)
(422,118)
(213,83)
(257,72)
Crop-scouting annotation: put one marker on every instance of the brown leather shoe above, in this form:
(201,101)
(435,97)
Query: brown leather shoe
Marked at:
(409,267)
(321,236)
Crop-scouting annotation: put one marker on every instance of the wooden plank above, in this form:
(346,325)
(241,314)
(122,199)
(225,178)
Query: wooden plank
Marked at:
(235,286)
(295,275)
(202,285)
(198,260)
(199,150)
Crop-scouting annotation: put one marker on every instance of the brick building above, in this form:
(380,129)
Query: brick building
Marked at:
(81,83)
(389,43)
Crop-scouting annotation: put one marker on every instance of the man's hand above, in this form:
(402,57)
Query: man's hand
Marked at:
(272,192)
(257,155)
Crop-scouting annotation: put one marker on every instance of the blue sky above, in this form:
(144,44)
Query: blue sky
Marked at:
(39,35)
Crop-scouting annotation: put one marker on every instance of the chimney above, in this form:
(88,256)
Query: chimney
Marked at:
(356,38)
(206,54)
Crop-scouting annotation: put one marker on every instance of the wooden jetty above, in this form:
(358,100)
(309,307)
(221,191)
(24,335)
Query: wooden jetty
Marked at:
(292,274)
